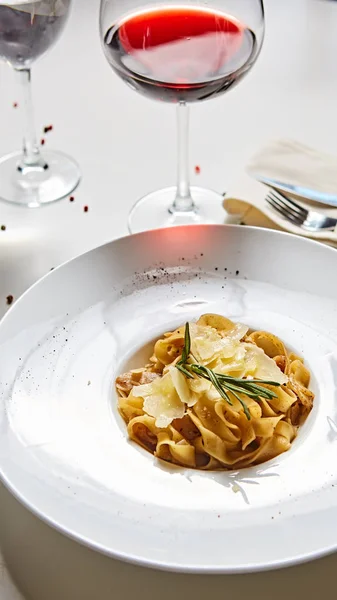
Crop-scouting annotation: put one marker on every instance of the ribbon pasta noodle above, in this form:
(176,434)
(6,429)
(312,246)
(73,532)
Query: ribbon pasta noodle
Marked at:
(185,419)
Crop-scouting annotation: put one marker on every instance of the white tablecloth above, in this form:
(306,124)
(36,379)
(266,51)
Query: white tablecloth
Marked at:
(125,145)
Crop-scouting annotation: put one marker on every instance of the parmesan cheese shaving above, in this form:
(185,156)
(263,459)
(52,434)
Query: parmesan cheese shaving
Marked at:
(161,400)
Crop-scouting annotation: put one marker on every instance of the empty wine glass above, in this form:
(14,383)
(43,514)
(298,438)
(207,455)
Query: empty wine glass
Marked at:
(27,29)
(181,53)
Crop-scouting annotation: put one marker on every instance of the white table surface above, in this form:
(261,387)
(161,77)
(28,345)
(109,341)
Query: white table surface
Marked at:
(125,145)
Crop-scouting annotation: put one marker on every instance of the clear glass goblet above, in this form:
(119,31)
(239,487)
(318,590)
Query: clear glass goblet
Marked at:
(28,28)
(181,52)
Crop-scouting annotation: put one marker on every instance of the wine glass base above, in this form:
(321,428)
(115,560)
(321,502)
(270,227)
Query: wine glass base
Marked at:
(154,210)
(33,186)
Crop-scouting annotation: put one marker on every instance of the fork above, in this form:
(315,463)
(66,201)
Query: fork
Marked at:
(309,220)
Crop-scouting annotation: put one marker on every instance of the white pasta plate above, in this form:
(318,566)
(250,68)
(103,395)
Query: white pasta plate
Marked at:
(64,449)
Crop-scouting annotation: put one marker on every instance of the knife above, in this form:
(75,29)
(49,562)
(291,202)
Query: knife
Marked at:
(302,192)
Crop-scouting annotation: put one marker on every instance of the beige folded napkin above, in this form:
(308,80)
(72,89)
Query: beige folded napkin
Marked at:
(293,163)
(289,162)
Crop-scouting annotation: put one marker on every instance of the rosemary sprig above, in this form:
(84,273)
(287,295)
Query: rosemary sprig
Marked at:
(225,384)
(184,371)
(187,344)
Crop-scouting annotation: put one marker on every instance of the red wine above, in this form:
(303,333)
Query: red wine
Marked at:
(28,29)
(180,54)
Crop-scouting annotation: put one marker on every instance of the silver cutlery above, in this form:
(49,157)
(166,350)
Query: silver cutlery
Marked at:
(300,191)
(309,220)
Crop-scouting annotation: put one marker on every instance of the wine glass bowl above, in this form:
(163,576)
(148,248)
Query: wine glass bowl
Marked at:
(181,53)
(28,28)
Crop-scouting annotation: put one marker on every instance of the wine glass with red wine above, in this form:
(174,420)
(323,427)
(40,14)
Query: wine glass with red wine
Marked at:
(181,52)
(28,28)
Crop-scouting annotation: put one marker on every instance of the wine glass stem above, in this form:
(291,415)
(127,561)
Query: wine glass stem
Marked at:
(31,152)
(183,201)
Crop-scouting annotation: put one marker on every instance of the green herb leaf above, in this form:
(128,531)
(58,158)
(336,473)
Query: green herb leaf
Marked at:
(244,406)
(184,371)
(187,344)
